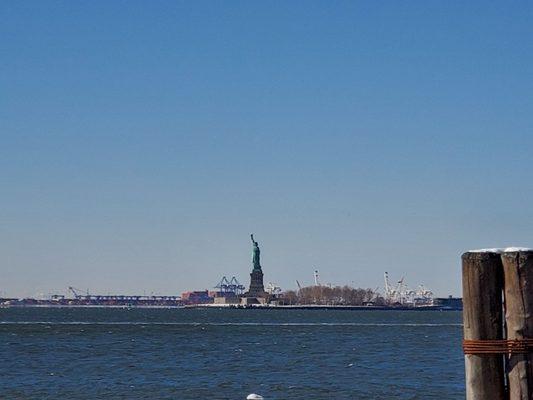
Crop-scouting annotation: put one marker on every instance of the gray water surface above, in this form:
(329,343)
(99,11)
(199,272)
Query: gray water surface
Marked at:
(227,354)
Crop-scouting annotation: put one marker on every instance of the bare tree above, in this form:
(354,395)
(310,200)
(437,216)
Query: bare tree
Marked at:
(337,295)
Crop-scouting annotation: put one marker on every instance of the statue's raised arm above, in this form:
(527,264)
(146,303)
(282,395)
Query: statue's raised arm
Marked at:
(255,253)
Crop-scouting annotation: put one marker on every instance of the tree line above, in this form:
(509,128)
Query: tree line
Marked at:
(336,295)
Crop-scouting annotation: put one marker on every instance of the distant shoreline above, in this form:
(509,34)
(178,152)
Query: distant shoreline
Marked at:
(240,307)
(327,307)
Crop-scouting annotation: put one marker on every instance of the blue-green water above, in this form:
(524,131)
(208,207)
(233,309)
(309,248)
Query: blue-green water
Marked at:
(227,354)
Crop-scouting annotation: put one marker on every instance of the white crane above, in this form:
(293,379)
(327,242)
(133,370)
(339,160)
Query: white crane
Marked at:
(403,295)
(394,295)
(400,291)
(299,291)
(387,285)
(390,293)
(273,288)
(317,282)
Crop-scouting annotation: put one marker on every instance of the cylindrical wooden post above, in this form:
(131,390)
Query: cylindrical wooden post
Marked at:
(482,319)
(518,275)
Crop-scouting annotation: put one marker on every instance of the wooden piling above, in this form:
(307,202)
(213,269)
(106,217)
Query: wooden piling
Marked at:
(482,319)
(518,276)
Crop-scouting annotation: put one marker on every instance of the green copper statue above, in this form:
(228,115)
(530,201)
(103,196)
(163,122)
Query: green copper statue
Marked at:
(255,253)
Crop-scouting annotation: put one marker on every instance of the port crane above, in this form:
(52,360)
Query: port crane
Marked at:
(230,286)
(273,288)
(397,294)
(392,294)
(76,294)
(315,275)
(401,294)
(299,287)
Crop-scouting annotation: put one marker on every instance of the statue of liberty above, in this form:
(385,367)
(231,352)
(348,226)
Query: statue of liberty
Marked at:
(255,253)
(257,288)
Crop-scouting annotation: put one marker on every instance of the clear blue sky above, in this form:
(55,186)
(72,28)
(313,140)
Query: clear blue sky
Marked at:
(142,142)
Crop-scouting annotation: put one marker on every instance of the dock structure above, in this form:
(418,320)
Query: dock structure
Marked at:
(518,277)
(498,323)
(482,320)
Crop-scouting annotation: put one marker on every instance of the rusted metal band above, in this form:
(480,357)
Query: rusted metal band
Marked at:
(503,346)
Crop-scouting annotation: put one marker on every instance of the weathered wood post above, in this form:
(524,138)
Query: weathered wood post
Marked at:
(482,319)
(518,275)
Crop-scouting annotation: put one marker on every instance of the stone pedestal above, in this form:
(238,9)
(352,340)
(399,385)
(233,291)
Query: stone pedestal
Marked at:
(256,283)
(257,288)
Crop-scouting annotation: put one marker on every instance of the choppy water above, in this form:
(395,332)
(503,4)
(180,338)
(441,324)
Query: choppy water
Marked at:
(227,354)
